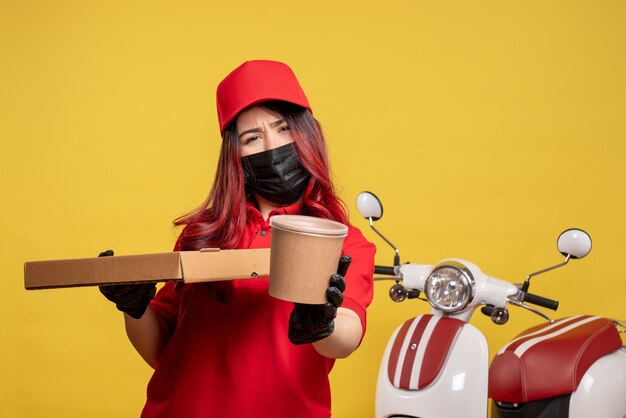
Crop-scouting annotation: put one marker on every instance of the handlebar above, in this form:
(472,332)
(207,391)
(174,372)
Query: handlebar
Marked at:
(388,271)
(528,297)
(541,301)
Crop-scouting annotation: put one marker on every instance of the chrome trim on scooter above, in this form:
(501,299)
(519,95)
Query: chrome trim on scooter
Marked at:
(620,325)
(513,301)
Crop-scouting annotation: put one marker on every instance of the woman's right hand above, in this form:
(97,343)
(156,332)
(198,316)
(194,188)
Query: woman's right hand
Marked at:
(132,299)
(311,323)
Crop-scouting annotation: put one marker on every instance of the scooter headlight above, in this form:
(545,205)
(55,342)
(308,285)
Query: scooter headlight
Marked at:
(450,287)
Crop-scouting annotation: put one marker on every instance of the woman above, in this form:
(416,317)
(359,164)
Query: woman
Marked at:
(228,349)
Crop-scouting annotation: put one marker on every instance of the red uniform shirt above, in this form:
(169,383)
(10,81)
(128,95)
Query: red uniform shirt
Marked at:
(229,355)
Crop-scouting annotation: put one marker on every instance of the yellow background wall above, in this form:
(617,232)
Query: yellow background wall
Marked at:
(486,127)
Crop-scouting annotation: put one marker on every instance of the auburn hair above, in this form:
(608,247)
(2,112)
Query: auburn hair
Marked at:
(221,219)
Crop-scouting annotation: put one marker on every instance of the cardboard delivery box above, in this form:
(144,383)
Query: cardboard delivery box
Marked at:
(188,266)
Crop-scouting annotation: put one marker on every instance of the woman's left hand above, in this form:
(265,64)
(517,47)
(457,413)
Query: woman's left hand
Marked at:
(310,323)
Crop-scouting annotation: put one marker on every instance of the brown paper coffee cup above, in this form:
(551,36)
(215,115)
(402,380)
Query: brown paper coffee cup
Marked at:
(305,253)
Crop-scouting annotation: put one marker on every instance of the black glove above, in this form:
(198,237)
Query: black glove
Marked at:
(310,323)
(132,299)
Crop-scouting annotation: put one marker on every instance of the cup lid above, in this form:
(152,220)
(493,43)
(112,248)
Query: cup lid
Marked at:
(309,225)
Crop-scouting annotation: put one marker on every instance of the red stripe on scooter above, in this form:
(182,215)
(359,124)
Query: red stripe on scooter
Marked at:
(437,349)
(395,350)
(409,358)
(525,336)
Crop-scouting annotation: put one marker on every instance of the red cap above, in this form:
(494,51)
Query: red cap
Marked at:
(254,82)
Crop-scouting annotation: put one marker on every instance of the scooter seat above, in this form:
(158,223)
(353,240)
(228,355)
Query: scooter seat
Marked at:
(550,359)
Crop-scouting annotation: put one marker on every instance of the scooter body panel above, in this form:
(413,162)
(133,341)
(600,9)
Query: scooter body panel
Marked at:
(602,390)
(460,390)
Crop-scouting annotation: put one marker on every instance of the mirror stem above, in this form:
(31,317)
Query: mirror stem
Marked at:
(396,259)
(527,281)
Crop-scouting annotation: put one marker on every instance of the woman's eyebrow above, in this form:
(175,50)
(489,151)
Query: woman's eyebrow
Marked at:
(257,130)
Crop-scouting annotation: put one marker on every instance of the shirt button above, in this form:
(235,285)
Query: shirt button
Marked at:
(264,232)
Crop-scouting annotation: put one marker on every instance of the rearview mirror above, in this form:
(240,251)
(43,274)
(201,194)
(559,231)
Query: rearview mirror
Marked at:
(369,206)
(574,242)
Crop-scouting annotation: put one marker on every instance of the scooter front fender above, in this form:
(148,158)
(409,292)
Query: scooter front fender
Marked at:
(459,391)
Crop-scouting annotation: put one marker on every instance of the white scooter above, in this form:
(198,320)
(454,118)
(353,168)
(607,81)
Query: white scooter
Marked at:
(437,365)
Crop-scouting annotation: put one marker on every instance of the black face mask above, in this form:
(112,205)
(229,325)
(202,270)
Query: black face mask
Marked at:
(276,174)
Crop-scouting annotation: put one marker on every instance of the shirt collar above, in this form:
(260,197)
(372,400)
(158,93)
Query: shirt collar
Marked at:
(255,215)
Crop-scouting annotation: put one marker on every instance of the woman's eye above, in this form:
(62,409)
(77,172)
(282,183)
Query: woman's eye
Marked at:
(251,139)
(283,128)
